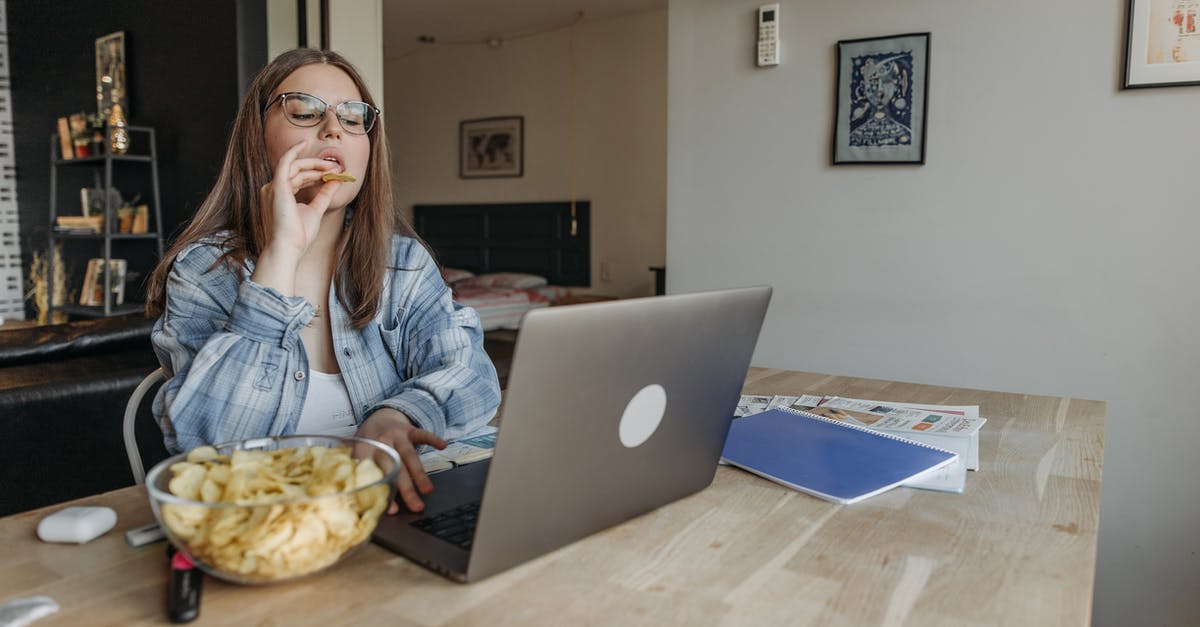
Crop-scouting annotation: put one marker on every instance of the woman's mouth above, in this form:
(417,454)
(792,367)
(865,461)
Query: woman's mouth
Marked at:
(333,157)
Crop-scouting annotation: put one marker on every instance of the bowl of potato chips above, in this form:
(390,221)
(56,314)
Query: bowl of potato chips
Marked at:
(275,508)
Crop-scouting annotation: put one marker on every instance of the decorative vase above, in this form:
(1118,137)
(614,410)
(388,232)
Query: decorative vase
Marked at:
(118,135)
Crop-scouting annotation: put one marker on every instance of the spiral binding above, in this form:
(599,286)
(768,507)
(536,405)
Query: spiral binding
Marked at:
(890,436)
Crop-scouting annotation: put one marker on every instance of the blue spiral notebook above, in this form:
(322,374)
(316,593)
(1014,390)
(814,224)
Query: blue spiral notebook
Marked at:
(826,458)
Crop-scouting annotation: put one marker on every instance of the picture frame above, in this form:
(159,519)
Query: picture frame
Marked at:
(92,293)
(93,201)
(491,147)
(112,86)
(882,100)
(1162,44)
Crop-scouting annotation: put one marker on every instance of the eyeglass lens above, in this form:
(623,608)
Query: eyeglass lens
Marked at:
(305,110)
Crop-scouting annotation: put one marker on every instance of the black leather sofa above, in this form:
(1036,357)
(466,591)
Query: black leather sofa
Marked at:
(63,390)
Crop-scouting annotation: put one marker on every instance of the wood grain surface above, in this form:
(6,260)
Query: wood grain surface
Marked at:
(1017,548)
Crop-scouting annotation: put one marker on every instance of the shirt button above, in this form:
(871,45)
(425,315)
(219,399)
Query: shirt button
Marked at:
(299,375)
(346,352)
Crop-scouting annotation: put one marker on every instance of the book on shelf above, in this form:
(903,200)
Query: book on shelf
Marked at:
(833,460)
(476,446)
(78,224)
(66,145)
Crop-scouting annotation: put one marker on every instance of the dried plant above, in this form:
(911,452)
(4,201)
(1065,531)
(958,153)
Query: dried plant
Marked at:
(39,285)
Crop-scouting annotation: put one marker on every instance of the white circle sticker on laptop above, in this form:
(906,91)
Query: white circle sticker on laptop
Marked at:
(642,415)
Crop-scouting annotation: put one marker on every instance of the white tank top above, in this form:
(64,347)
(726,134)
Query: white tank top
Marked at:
(327,409)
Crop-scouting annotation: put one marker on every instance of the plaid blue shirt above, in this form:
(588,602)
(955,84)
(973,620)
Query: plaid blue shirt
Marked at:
(237,369)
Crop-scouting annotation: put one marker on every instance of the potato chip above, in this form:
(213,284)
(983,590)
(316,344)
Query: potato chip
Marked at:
(187,480)
(202,454)
(338,176)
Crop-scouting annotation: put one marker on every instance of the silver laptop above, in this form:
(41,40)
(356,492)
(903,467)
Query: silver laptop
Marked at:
(612,410)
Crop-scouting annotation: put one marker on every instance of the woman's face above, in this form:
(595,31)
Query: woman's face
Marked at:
(326,140)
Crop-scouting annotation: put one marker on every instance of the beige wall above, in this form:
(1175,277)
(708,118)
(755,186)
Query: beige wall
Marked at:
(620,156)
(1047,246)
(355,31)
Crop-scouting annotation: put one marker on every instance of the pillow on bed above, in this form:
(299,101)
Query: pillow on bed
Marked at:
(511,280)
(454,275)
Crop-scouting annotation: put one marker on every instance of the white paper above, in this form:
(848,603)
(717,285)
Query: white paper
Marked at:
(475,446)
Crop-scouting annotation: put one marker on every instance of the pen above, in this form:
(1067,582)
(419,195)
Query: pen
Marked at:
(183,593)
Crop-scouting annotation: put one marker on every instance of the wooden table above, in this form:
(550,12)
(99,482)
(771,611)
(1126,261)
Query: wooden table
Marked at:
(1018,547)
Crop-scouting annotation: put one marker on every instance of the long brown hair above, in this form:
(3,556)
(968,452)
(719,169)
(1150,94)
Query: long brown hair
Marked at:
(232,205)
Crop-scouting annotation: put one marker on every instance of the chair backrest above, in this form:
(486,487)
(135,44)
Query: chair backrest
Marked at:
(127,425)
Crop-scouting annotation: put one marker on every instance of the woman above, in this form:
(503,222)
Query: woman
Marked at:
(295,304)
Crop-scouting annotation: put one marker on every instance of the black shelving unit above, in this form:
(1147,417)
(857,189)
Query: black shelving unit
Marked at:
(102,168)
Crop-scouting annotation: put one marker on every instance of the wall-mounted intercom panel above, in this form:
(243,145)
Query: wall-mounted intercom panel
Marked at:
(768,35)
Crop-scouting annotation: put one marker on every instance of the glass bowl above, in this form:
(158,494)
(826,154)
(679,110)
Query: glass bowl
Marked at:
(270,509)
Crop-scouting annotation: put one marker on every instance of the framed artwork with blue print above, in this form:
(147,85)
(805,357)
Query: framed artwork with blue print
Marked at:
(882,100)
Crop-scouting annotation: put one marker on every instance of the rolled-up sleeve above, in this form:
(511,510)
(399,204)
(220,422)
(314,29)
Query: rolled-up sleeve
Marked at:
(225,345)
(449,384)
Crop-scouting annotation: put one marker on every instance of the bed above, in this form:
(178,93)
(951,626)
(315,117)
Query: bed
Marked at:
(504,259)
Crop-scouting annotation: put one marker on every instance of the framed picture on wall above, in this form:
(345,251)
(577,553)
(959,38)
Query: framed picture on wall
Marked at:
(491,147)
(1162,47)
(111,84)
(882,100)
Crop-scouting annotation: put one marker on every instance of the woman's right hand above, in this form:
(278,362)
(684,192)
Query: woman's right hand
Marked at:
(394,429)
(293,222)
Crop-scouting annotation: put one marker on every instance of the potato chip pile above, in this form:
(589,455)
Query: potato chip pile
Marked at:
(269,539)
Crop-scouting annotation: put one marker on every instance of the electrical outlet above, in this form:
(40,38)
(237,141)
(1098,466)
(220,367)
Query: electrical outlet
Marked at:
(605,270)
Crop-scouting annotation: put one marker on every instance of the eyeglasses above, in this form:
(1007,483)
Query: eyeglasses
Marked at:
(306,110)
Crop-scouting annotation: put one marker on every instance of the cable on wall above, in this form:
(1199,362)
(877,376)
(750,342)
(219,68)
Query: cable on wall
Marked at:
(495,41)
(571,121)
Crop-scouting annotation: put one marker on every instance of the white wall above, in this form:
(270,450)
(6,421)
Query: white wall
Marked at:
(1048,245)
(355,31)
(281,27)
(621,105)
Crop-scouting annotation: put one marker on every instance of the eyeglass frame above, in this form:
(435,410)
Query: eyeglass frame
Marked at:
(283,96)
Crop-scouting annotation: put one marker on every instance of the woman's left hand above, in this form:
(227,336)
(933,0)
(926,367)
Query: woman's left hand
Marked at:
(395,429)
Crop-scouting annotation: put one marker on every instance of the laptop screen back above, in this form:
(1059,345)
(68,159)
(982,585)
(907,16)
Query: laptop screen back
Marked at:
(612,409)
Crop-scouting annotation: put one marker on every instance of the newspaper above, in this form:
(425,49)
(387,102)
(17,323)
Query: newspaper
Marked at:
(750,404)
(896,416)
(476,446)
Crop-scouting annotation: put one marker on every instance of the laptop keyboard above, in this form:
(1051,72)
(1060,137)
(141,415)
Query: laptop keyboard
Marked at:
(456,526)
